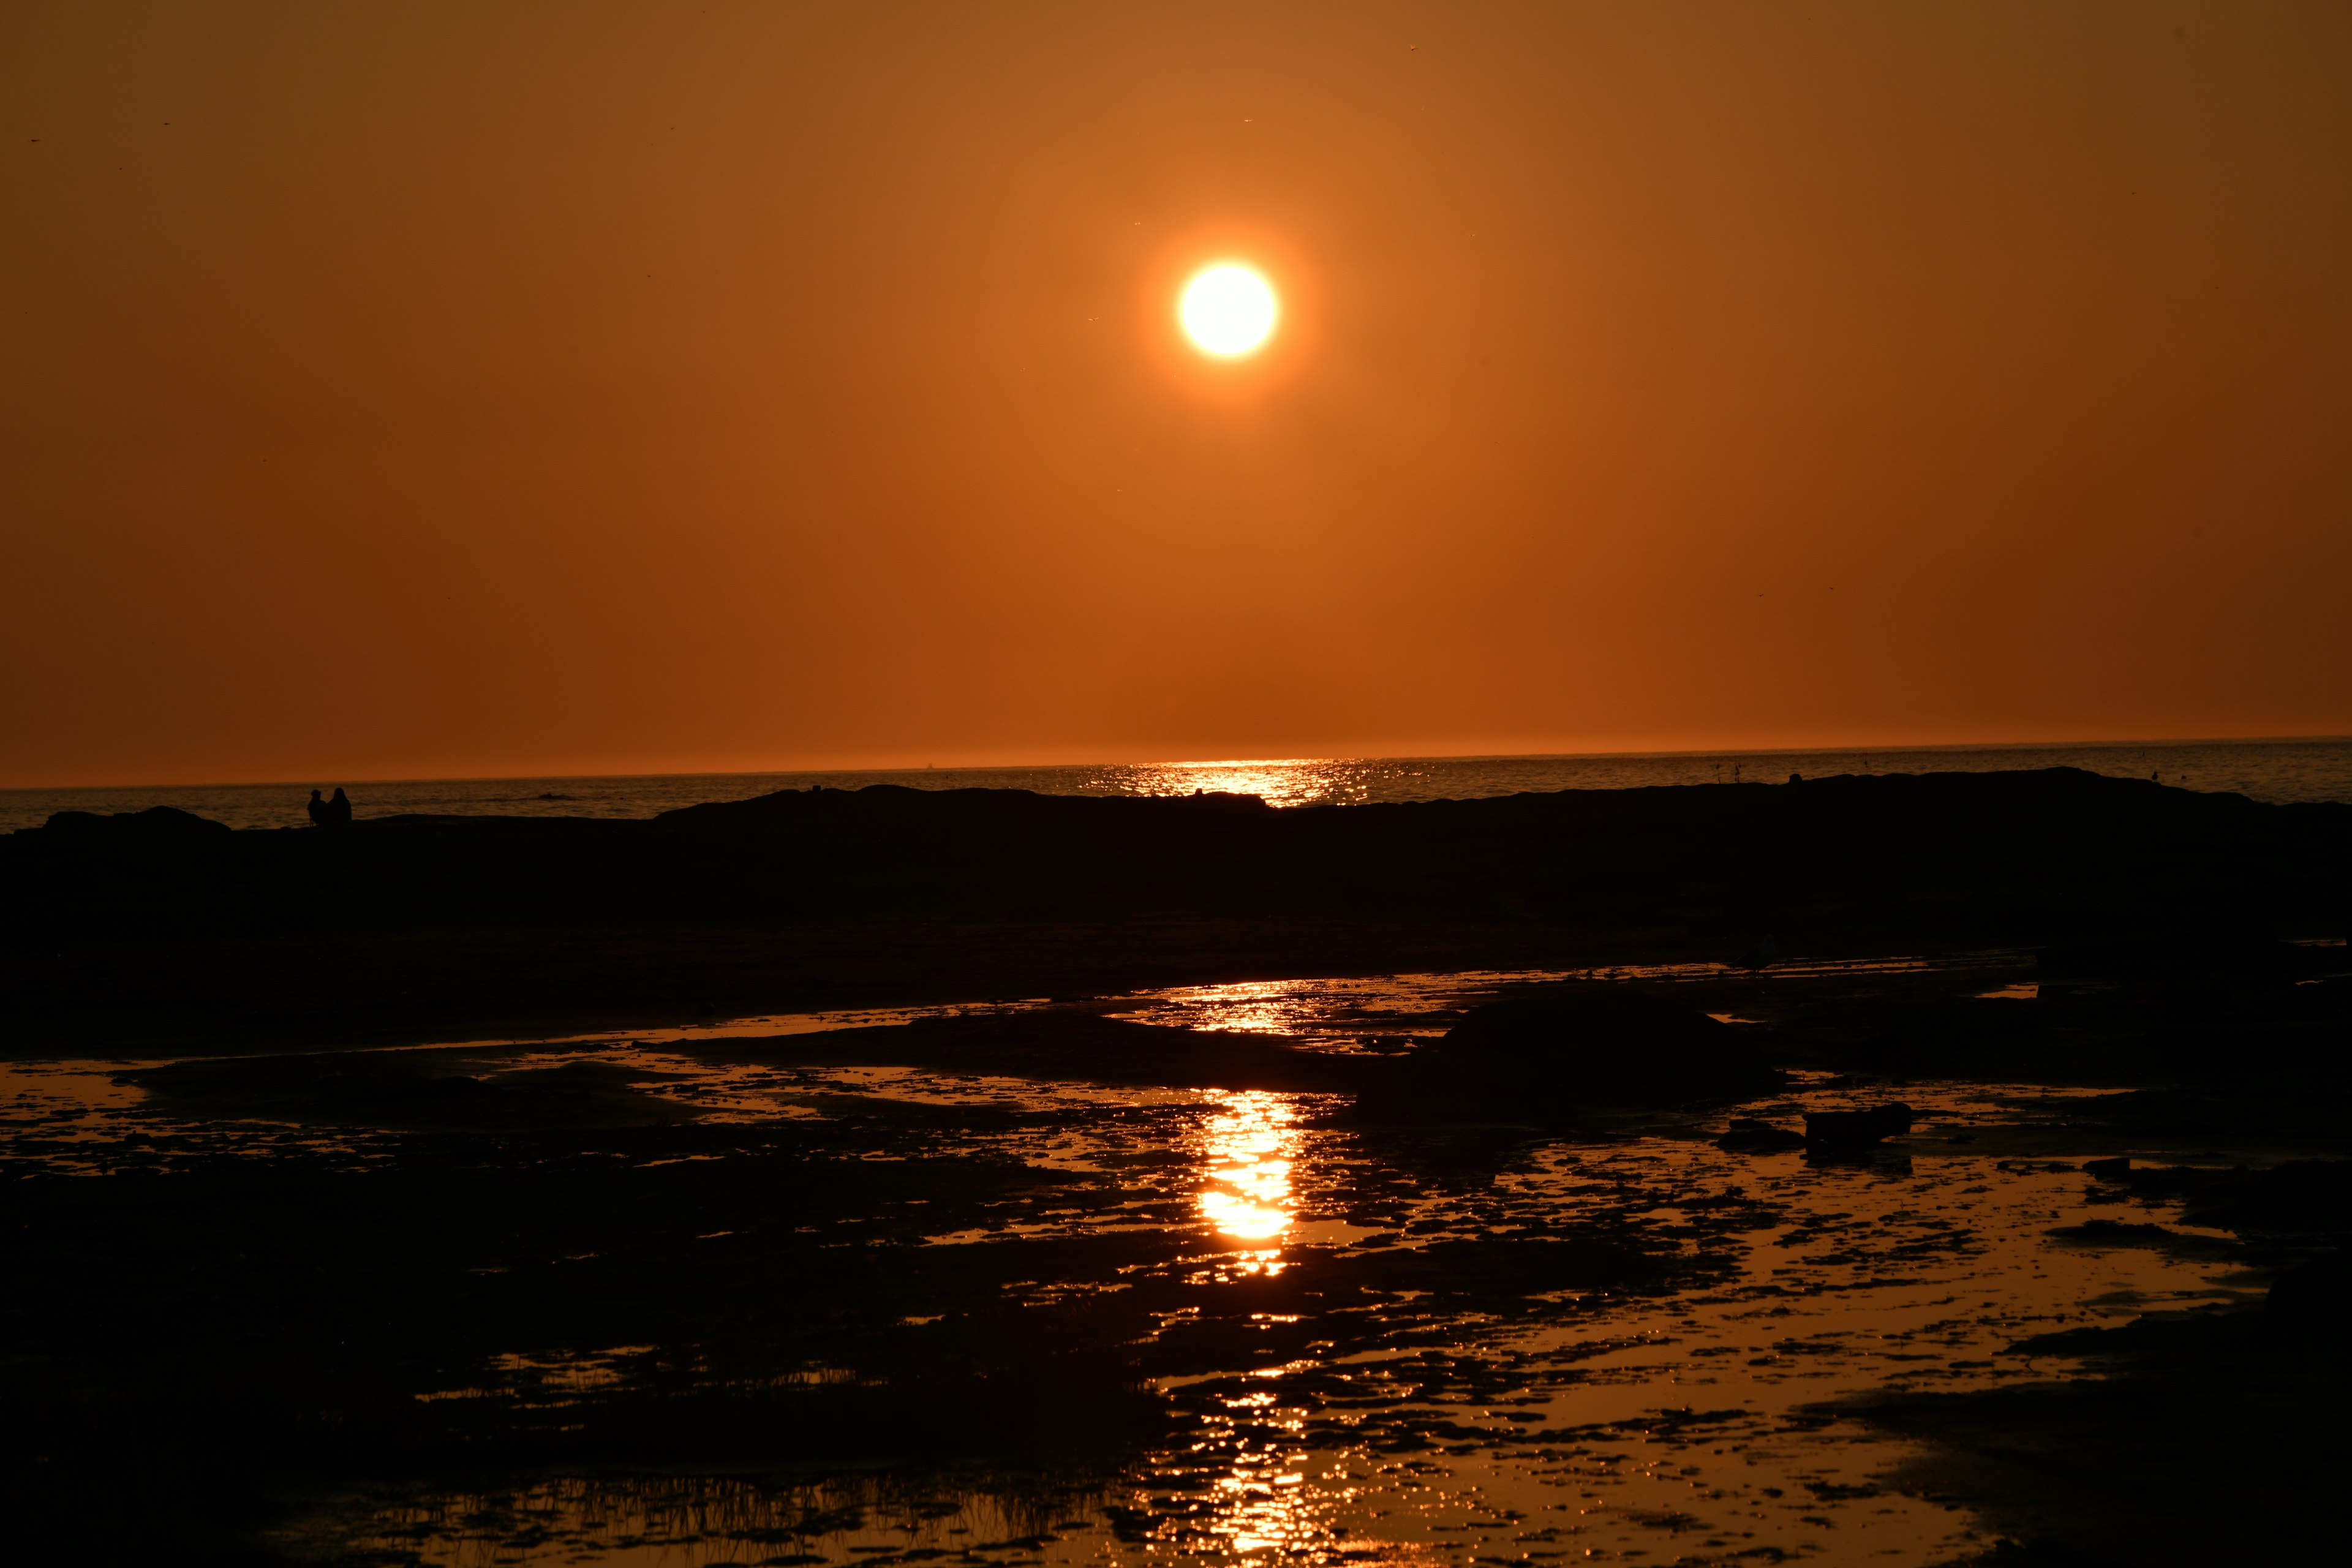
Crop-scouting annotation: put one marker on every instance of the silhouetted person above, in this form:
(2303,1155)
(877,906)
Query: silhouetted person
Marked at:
(339,810)
(318,810)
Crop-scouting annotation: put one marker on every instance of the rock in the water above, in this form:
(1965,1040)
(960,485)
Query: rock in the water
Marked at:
(1749,1136)
(1856,1129)
(1556,1049)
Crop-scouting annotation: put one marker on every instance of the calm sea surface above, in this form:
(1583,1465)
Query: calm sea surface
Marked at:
(2303,769)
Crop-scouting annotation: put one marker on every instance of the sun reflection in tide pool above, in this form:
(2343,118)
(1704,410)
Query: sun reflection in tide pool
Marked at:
(1251,1141)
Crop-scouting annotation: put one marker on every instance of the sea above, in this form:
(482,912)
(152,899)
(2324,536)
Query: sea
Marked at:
(2276,770)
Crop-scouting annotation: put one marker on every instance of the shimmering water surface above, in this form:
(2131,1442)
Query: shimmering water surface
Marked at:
(1637,1429)
(2296,770)
(1682,1425)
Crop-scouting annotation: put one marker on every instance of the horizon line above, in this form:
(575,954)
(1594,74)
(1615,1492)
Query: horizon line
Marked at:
(1224,762)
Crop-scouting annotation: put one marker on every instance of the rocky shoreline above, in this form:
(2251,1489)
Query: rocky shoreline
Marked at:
(260,1273)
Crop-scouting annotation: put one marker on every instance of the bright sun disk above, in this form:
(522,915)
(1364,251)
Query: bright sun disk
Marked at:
(1228,310)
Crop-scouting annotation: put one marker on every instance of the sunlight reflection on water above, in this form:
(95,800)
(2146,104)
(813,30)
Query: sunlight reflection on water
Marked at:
(1250,1143)
(1249,1007)
(1278,781)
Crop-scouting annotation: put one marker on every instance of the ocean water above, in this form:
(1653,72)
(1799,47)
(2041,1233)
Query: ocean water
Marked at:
(2277,771)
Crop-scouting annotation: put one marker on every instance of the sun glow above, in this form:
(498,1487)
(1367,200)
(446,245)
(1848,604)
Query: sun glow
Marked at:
(1228,310)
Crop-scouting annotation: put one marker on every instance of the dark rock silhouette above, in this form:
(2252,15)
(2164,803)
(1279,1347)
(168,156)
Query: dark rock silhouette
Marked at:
(809,899)
(1856,1129)
(1071,1046)
(1748,1135)
(2314,1297)
(157,822)
(2172,951)
(1558,1049)
(2301,1197)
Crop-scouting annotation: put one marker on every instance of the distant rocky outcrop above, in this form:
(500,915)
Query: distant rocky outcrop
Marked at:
(835,897)
(897,808)
(155,822)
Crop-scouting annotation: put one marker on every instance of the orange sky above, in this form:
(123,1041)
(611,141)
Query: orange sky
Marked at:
(579,387)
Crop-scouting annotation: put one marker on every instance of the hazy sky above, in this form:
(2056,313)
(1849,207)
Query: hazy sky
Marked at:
(452,389)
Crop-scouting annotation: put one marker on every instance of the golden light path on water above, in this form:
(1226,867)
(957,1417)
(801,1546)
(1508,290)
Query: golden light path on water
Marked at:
(1279,780)
(1250,1142)
(1243,1007)
(1250,1145)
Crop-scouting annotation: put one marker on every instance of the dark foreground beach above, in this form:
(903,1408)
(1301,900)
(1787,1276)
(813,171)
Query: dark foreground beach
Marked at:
(1118,1178)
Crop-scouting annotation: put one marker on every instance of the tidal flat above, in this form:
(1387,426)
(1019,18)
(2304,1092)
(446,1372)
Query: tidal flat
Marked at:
(1173,1270)
(758,1297)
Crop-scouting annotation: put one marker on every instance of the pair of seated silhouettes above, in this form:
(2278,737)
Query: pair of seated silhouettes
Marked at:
(335,813)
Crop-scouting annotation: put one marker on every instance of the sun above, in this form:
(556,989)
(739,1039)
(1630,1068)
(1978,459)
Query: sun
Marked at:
(1228,310)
